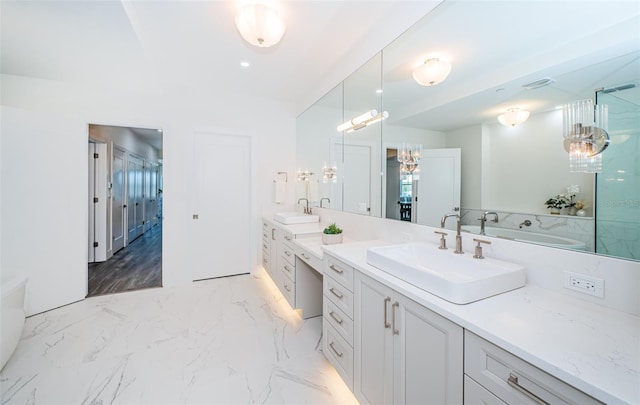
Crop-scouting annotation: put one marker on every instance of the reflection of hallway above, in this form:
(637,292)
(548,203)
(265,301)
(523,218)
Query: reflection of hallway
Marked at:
(137,266)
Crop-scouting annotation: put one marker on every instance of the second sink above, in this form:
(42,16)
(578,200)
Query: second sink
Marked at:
(460,279)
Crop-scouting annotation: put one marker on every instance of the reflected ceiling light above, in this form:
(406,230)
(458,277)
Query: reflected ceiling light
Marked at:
(514,116)
(363,120)
(244,64)
(260,24)
(432,72)
(585,135)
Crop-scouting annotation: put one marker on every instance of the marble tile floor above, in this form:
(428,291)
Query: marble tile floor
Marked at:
(231,340)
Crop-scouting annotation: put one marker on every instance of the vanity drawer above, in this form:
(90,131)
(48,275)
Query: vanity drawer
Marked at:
(310,259)
(476,394)
(288,290)
(288,236)
(512,379)
(339,271)
(288,270)
(338,319)
(338,352)
(339,295)
(288,253)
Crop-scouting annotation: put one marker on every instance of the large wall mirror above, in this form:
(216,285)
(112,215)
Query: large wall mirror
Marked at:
(525,55)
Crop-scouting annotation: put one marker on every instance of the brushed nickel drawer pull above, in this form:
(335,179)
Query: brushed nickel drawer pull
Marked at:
(335,293)
(393,317)
(513,382)
(305,256)
(264,261)
(286,287)
(286,252)
(335,318)
(386,322)
(287,268)
(337,270)
(264,245)
(287,237)
(335,351)
(265,235)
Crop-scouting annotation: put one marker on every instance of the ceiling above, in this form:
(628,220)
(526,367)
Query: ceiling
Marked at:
(155,47)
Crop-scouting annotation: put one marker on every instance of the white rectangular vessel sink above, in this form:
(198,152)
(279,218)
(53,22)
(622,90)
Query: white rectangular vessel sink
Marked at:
(289,218)
(460,279)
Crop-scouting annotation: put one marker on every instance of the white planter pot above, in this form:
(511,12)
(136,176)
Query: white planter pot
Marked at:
(331,239)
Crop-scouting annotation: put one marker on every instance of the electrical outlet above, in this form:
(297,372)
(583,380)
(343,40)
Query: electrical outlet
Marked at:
(584,284)
(405,237)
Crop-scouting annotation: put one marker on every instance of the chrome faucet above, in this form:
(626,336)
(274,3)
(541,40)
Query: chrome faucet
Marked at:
(483,219)
(525,223)
(458,237)
(324,198)
(307,210)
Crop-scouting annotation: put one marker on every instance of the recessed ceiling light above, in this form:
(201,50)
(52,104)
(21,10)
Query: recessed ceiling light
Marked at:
(244,64)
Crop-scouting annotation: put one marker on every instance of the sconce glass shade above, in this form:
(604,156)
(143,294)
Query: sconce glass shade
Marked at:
(514,116)
(329,174)
(260,24)
(432,72)
(585,135)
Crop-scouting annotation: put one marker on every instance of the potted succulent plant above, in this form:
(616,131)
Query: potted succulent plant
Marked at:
(331,235)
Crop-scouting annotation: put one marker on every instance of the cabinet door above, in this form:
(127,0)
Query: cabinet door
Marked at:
(273,256)
(428,353)
(373,344)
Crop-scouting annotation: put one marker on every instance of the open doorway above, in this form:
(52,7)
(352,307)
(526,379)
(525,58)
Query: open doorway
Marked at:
(125,209)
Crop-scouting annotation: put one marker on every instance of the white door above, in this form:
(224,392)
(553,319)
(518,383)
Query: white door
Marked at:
(220,193)
(438,190)
(98,179)
(357,179)
(118,201)
(134,198)
(392,190)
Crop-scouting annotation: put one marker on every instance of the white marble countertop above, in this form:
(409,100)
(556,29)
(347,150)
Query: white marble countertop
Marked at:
(593,348)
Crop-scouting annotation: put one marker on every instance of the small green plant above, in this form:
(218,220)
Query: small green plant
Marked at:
(332,230)
(559,201)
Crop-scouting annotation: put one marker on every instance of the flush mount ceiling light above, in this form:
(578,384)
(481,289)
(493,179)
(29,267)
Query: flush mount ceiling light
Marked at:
(260,24)
(514,116)
(432,72)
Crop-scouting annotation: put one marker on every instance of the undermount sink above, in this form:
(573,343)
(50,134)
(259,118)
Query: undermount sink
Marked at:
(290,218)
(460,279)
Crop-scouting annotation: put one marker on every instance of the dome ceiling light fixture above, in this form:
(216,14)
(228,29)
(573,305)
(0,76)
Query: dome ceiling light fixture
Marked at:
(433,71)
(260,24)
(514,116)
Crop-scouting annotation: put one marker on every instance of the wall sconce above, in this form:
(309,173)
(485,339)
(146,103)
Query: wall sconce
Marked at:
(304,175)
(260,24)
(363,120)
(514,116)
(329,174)
(585,135)
(409,158)
(432,72)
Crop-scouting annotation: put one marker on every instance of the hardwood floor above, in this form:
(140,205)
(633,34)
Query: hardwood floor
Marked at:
(135,267)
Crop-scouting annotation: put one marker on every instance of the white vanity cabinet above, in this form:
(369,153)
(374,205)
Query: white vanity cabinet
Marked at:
(269,248)
(403,352)
(492,372)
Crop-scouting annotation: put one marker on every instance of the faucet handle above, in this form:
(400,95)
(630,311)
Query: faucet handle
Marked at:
(478,252)
(443,241)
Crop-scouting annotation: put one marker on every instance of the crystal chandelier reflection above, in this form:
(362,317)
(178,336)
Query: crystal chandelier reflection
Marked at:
(409,158)
(585,135)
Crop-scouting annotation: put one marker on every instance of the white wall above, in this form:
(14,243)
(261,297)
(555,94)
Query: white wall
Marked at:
(44,172)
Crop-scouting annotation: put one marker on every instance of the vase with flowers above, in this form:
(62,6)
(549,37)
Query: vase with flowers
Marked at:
(572,191)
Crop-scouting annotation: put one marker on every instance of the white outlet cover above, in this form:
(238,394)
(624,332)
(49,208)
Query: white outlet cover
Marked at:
(598,284)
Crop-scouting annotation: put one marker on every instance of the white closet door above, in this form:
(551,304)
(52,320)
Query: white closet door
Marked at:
(118,201)
(439,185)
(220,193)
